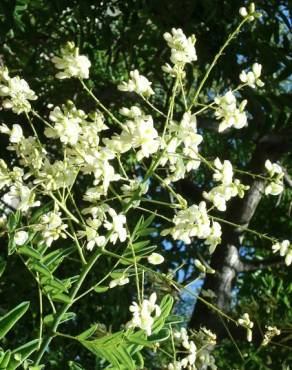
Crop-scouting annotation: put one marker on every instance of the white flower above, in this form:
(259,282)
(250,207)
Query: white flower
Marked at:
(16,134)
(249,13)
(91,233)
(120,281)
(223,172)
(144,314)
(71,63)
(285,249)
(252,78)
(275,186)
(155,259)
(16,91)
(137,133)
(231,115)
(243,12)
(183,139)
(52,227)
(175,366)
(273,168)
(138,84)
(182,48)
(271,332)
(214,238)
(20,237)
(20,197)
(246,323)
(4,174)
(146,137)
(194,222)
(190,359)
(187,362)
(66,124)
(116,226)
(56,175)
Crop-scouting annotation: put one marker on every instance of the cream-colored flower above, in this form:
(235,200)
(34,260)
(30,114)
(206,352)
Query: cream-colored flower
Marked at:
(20,237)
(138,84)
(71,63)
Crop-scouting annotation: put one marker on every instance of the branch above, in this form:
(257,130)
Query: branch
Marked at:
(247,266)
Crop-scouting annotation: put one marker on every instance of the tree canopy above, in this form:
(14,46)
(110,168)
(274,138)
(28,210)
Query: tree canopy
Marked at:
(121,36)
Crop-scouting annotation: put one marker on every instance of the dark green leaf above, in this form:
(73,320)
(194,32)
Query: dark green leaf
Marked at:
(9,320)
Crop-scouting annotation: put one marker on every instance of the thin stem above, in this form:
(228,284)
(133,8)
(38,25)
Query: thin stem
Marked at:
(152,106)
(217,56)
(40,312)
(99,103)
(273,240)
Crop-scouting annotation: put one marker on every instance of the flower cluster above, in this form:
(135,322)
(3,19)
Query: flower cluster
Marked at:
(66,122)
(189,360)
(275,171)
(229,113)
(122,280)
(249,13)
(99,219)
(252,78)
(16,92)
(20,196)
(195,222)
(52,227)
(70,63)
(138,132)
(138,84)
(182,51)
(196,353)
(144,314)
(28,150)
(246,323)
(271,332)
(181,147)
(228,188)
(284,248)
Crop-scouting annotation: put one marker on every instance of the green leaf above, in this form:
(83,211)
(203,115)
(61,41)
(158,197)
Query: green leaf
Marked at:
(13,221)
(87,333)
(174,319)
(74,366)
(161,336)
(24,352)
(41,268)
(101,289)
(5,360)
(2,267)
(55,258)
(125,358)
(113,349)
(10,319)
(40,211)
(30,252)
(56,284)
(166,307)
(49,319)
(63,298)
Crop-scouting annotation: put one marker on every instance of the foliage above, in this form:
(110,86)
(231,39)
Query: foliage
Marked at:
(117,37)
